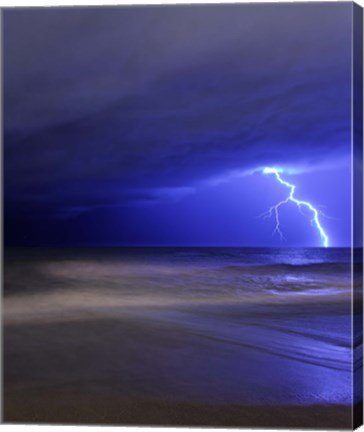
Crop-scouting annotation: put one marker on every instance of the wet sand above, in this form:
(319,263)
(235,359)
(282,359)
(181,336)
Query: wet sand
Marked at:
(128,371)
(72,407)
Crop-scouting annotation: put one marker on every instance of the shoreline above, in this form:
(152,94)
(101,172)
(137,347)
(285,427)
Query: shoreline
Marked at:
(102,340)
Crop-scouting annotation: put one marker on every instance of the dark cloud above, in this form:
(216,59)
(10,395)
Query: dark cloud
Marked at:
(100,102)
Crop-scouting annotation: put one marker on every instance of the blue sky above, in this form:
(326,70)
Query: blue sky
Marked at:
(150,125)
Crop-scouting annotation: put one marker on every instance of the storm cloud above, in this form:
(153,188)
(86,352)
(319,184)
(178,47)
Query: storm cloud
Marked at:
(113,105)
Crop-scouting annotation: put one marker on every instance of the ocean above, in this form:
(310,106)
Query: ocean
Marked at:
(224,326)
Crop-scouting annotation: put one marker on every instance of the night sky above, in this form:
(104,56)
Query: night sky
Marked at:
(151,125)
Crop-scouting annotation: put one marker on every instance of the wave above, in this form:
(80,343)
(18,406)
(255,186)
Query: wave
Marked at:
(337,267)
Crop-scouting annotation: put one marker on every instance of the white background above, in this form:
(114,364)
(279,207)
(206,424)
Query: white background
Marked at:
(13,3)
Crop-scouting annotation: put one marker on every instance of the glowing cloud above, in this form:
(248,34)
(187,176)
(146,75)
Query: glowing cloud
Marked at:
(275,209)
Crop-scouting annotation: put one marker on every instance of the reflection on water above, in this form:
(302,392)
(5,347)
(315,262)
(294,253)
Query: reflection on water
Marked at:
(227,325)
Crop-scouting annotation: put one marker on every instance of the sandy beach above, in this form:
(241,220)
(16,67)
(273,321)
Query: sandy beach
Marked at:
(70,407)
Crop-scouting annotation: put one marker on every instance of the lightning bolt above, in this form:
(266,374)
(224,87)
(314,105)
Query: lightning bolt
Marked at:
(275,209)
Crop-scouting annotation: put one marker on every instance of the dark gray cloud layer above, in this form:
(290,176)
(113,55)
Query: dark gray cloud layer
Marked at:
(132,100)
